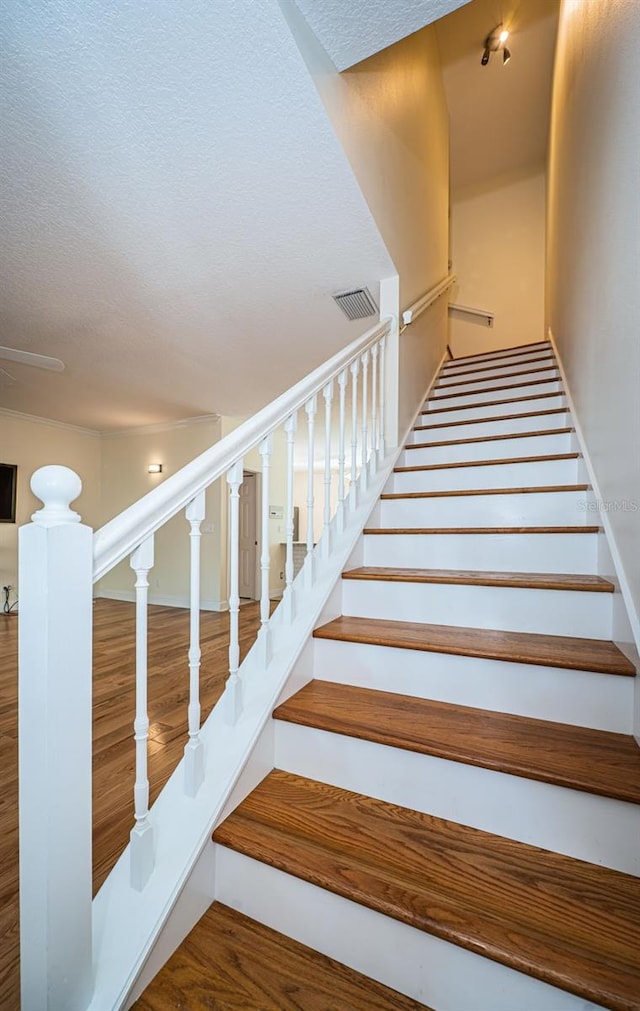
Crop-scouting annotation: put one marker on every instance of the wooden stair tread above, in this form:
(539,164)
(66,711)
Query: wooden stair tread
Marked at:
(472,577)
(501,461)
(593,761)
(230,961)
(486,368)
(495,403)
(483,530)
(492,389)
(506,375)
(572,924)
(503,352)
(492,438)
(464,492)
(569,652)
(486,421)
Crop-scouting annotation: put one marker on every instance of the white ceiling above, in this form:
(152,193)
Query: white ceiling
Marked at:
(176,210)
(499,115)
(351,30)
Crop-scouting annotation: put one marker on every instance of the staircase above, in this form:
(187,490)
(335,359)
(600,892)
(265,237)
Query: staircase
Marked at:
(455,806)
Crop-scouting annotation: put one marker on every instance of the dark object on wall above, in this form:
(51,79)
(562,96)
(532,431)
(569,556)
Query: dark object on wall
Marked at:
(8,482)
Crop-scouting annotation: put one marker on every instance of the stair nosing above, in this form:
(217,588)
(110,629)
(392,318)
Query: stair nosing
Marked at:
(485,530)
(503,352)
(540,433)
(469,492)
(490,421)
(493,389)
(496,403)
(501,461)
(509,375)
(470,577)
(549,357)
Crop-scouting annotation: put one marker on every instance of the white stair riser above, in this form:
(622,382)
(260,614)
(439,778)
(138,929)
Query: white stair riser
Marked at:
(578,824)
(495,449)
(431,971)
(534,509)
(507,405)
(491,393)
(509,475)
(498,357)
(480,385)
(478,429)
(512,609)
(499,552)
(448,376)
(580,698)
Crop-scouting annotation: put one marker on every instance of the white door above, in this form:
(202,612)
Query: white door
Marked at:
(248,540)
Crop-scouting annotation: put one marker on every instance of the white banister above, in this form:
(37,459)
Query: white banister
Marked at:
(287,599)
(411,314)
(353,491)
(118,538)
(382,445)
(233,689)
(55,748)
(326,534)
(193,752)
(364,449)
(342,387)
(374,408)
(266,449)
(142,832)
(311,408)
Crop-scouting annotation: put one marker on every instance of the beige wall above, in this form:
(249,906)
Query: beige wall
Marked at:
(593,249)
(33,443)
(498,239)
(125,458)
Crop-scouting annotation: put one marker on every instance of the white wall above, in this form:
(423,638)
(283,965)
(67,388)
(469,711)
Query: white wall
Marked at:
(498,245)
(125,478)
(593,249)
(31,443)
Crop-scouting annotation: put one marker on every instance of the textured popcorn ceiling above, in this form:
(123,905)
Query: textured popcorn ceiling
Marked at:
(351,30)
(176,210)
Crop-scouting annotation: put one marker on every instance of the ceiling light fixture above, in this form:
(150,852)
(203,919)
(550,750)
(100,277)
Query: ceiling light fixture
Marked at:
(494,42)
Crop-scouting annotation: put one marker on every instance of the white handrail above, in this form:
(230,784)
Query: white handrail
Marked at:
(467,310)
(121,535)
(411,314)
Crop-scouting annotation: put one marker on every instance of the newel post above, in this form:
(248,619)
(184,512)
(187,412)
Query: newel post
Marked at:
(55,632)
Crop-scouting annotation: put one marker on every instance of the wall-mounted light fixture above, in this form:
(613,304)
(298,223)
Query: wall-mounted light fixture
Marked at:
(494,42)
(155,468)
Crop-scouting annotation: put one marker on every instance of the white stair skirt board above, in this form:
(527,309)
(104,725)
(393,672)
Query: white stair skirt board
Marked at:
(488,429)
(470,385)
(432,971)
(493,392)
(503,405)
(499,355)
(512,609)
(541,509)
(580,698)
(581,825)
(507,475)
(528,363)
(495,449)
(569,553)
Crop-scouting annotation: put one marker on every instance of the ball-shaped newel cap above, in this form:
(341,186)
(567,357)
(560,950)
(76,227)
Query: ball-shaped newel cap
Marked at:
(56,487)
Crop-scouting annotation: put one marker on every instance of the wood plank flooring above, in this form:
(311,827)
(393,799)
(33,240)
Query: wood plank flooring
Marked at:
(572,924)
(229,962)
(593,761)
(570,652)
(113,754)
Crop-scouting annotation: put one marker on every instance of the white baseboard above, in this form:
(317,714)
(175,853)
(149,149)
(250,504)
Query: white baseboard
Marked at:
(165,600)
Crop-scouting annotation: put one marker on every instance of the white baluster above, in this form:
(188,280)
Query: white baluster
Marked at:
(381,442)
(342,386)
(54,738)
(288,602)
(142,856)
(326,534)
(353,490)
(365,431)
(194,751)
(232,699)
(264,638)
(310,407)
(373,459)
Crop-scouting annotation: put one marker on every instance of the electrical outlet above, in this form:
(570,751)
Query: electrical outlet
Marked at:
(282,575)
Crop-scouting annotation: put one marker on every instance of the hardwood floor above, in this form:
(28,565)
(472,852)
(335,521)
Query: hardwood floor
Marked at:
(229,962)
(113,752)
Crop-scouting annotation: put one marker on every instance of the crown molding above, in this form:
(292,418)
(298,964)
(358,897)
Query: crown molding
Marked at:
(161,426)
(35,420)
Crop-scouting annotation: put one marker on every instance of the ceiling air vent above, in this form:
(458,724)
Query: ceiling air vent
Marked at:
(356,304)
